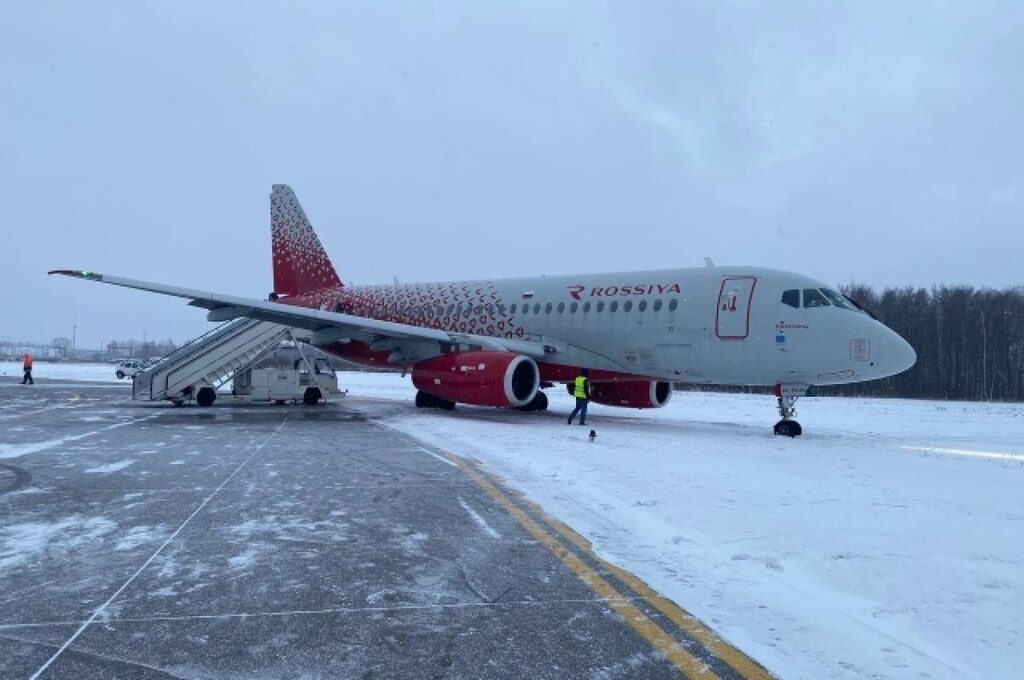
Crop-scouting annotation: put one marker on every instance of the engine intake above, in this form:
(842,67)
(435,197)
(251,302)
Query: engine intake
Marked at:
(632,393)
(500,379)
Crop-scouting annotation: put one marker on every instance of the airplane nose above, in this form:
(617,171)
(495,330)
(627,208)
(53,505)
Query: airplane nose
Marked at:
(897,355)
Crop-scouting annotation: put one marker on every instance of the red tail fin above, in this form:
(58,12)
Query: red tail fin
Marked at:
(300,263)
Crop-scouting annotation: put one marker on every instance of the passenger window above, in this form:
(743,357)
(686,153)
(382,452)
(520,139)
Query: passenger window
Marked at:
(614,306)
(791,298)
(547,308)
(672,304)
(561,307)
(627,305)
(600,306)
(536,308)
(814,298)
(586,307)
(573,307)
(513,308)
(657,305)
(642,307)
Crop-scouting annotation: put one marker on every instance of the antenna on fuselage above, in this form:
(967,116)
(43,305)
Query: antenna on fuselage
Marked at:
(708,262)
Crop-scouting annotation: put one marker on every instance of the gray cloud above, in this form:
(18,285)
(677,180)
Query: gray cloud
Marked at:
(869,142)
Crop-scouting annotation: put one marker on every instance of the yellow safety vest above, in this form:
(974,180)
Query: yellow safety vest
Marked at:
(579,387)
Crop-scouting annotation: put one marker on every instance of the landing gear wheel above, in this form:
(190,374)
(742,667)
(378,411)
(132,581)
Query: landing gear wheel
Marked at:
(425,400)
(788,428)
(120,375)
(311,397)
(538,403)
(206,396)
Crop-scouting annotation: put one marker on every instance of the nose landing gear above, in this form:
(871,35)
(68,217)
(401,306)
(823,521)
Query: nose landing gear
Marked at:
(787,396)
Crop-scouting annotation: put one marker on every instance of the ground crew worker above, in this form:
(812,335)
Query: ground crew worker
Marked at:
(581,390)
(28,370)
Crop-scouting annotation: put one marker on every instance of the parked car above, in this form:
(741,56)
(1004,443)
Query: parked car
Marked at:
(127,368)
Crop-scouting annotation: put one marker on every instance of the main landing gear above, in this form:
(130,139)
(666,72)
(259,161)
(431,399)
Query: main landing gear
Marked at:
(538,403)
(787,396)
(424,400)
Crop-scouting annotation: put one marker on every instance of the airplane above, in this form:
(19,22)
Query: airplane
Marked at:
(501,342)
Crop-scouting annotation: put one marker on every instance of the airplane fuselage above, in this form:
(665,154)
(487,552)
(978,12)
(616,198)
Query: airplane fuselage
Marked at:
(709,325)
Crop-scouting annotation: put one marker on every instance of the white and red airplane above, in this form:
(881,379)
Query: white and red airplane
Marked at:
(499,342)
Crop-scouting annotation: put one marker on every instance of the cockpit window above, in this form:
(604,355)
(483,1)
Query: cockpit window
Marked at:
(838,299)
(791,298)
(861,309)
(814,298)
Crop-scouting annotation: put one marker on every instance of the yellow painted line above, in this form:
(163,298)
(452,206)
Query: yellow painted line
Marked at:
(688,623)
(688,665)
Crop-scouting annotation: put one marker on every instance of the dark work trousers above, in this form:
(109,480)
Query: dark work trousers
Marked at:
(28,377)
(581,408)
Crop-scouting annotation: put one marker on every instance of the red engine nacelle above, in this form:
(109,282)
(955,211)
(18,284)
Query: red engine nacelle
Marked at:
(632,393)
(500,379)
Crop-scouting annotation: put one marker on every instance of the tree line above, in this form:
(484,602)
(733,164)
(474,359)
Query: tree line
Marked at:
(969,342)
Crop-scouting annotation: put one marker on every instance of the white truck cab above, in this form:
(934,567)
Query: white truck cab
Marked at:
(285,375)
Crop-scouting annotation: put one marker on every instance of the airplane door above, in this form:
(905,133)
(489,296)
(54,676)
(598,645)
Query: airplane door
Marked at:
(732,320)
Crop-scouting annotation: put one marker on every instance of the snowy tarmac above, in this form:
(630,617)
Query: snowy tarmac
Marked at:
(888,542)
(288,541)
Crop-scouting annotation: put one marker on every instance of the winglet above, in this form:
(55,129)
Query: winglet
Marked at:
(300,262)
(77,273)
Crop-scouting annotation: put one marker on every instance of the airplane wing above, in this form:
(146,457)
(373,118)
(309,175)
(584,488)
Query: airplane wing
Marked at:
(379,334)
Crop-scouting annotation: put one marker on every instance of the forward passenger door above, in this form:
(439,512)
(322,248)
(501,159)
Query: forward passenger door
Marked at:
(732,319)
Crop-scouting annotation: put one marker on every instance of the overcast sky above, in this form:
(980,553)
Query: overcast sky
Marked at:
(878,142)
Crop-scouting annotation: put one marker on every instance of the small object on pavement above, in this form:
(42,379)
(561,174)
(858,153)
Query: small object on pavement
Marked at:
(593,435)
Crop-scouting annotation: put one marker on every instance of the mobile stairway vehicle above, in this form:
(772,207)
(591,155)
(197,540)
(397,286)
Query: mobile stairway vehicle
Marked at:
(287,373)
(196,369)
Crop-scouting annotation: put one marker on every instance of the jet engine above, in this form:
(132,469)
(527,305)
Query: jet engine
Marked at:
(632,393)
(500,379)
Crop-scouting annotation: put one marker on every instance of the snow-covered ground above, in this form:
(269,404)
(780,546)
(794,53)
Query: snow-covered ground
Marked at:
(45,370)
(887,542)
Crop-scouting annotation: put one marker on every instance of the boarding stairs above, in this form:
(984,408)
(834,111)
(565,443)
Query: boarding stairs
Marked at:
(208,361)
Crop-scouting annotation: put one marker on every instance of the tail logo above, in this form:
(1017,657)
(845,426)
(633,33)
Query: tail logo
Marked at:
(300,263)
